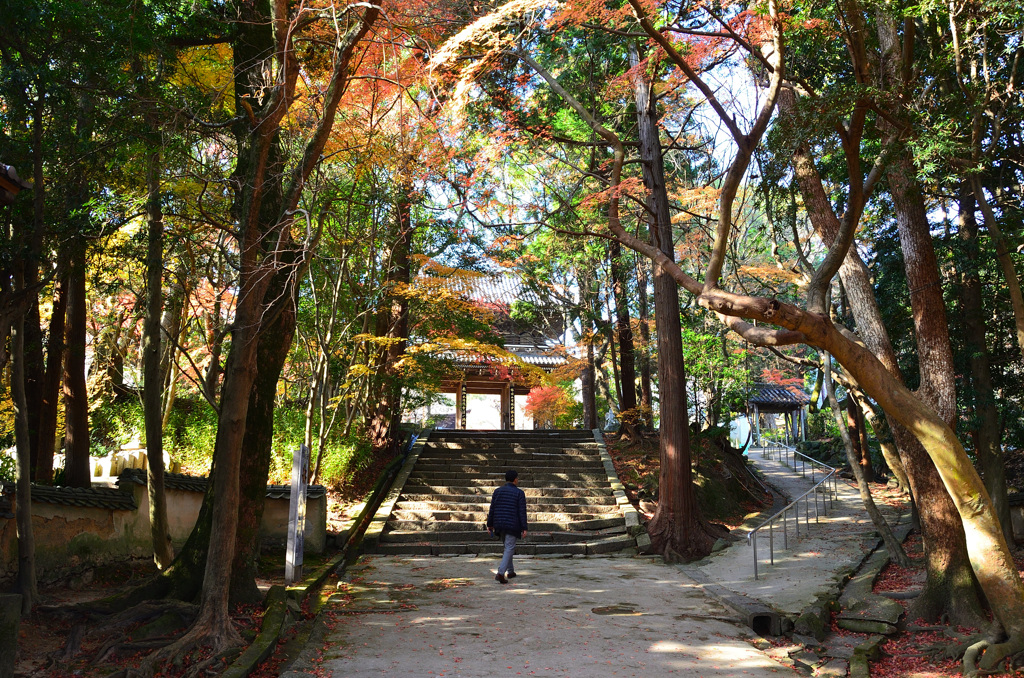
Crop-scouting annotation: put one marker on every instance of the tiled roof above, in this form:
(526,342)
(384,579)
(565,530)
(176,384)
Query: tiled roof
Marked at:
(777,394)
(93,497)
(179,481)
(285,491)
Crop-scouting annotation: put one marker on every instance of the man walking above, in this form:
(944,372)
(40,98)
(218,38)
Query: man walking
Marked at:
(507,518)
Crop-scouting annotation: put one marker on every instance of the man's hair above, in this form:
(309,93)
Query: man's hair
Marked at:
(511,475)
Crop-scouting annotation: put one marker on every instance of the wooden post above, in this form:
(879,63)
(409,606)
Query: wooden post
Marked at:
(296,516)
(512,407)
(757,426)
(460,395)
(506,399)
(462,406)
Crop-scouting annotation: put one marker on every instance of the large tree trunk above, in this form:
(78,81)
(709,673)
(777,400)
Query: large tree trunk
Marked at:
(678,529)
(76,398)
(957,594)
(50,391)
(274,345)
(393,324)
(152,378)
(986,423)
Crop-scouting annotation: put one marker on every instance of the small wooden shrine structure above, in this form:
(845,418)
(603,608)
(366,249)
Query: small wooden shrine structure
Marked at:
(788,400)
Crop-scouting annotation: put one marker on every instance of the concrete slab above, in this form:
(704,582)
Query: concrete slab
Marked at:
(815,562)
(595,616)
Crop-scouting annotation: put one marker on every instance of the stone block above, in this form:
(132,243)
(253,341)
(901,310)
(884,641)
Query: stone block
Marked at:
(811,623)
(643,543)
(834,668)
(859,667)
(865,626)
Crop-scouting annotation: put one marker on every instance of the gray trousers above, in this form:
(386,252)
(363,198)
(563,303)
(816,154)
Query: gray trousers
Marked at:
(506,557)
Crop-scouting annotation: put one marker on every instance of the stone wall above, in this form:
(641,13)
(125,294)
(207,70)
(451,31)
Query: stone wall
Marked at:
(75,529)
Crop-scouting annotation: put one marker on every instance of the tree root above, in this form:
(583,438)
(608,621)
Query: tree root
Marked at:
(220,638)
(994,655)
(955,647)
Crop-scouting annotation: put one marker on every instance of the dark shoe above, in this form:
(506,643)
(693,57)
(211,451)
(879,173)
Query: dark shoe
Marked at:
(500,578)
(511,575)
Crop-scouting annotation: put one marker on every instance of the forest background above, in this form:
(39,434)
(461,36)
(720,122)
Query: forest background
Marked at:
(256,223)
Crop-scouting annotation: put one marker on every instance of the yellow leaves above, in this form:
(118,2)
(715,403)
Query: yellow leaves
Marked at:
(209,69)
(701,200)
(772,273)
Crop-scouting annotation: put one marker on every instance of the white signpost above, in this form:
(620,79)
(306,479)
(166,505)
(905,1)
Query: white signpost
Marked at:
(296,515)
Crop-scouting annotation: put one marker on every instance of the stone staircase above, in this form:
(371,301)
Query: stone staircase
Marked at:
(574,501)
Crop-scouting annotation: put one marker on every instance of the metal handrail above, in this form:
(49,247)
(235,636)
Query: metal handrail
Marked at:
(828,480)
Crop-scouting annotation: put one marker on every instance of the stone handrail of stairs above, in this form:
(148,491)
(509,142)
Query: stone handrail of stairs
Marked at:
(438,504)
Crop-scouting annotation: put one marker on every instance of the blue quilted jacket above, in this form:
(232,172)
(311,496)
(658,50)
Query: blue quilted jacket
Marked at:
(508,510)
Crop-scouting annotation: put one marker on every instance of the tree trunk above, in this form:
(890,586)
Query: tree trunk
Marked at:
(26,542)
(76,397)
(152,378)
(587,378)
(274,345)
(880,425)
(50,391)
(957,594)
(950,585)
(624,332)
(678,530)
(859,435)
(393,323)
(1005,261)
(986,423)
(35,377)
(646,397)
(895,549)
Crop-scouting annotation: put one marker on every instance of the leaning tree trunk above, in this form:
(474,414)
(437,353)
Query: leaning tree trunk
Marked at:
(152,378)
(76,397)
(988,448)
(895,549)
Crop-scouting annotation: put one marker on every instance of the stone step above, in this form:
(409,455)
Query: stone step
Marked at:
(478,517)
(513,435)
(413,488)
(595,545)
(497,462)
(525,479)
(442,507)
(608,505)
(433,526)
(458,446)
(478,532)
